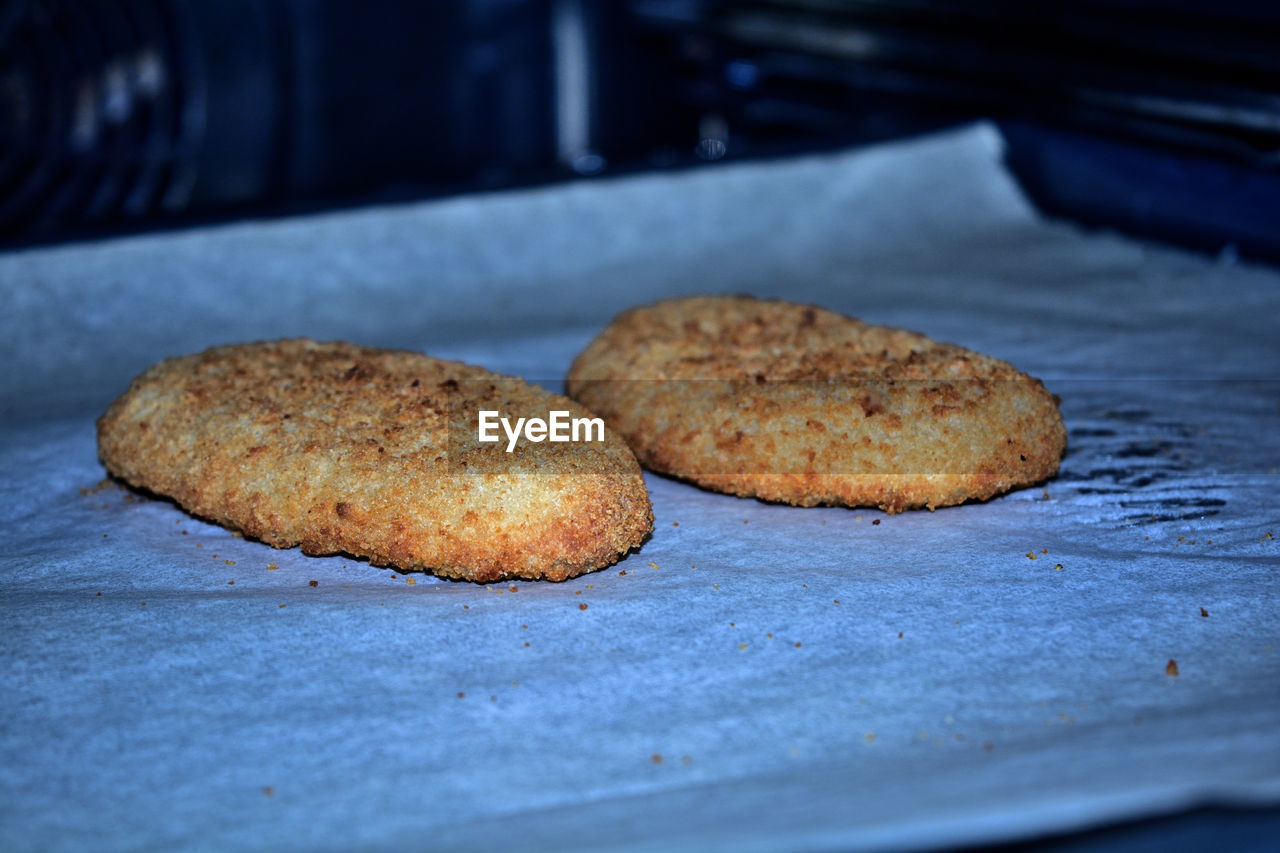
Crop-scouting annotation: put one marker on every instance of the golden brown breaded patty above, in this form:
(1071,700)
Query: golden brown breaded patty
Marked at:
(798,404)
(374,453)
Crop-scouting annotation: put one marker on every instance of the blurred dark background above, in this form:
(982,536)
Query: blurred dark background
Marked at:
(1156,119)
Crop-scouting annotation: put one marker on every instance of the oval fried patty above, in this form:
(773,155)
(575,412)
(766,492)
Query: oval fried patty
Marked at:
(797,404)
(374,453)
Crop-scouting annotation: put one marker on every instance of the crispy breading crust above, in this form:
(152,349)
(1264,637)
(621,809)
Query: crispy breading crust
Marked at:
(344,449)
(801,405)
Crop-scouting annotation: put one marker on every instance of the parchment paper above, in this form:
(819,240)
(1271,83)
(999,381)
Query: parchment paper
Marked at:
(761,677)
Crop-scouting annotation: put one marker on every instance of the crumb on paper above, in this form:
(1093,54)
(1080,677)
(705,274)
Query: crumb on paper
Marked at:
(461,695)
(1204,613)
(513,589)
(268,791)
(313,583)
(271,567)
(871,737)
(875,521)
(988,746)
(1058,567)
(656,758)
(1031,555)
(899,635)
(1171,668)
(411,581)
(675,524)
(797,644)
(582,606)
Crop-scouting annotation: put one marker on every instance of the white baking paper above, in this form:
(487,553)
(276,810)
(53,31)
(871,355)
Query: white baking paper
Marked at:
(756,677)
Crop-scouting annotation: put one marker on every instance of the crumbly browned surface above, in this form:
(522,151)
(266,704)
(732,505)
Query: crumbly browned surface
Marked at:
(345,449)
(802,405)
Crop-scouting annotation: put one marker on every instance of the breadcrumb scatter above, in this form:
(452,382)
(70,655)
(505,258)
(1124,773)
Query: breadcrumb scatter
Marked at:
(229,562)
(582,606)
(1031,555)
(1171,668)
(271,567)
(622,573)
(411,581)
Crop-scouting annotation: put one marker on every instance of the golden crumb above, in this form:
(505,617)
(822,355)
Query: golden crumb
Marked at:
(1031,555)
(1171,668)
(622,573)
(1058,567)
(231,583)
(513,589)
(282,607)
(582,606)
(340,449)
(410,581)
(229,562)
(675,524)
(313,583)
(271,567)
(797,644)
